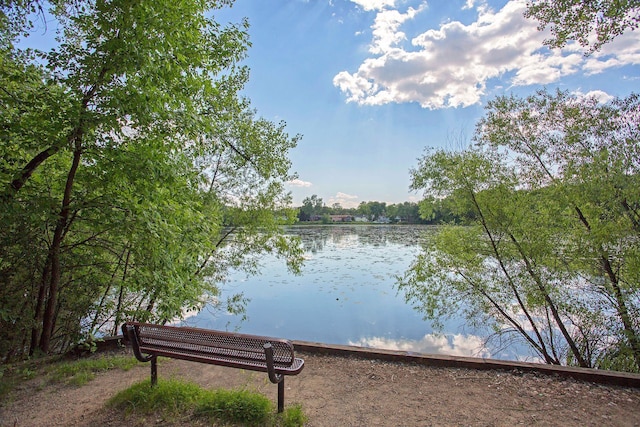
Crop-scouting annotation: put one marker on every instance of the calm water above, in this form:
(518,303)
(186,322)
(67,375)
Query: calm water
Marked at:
(345,295)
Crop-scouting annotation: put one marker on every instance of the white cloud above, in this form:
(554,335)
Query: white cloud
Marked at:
(469,4)
(369,5)
(385,28)
(601,96)
(451,66)
(453,345)
(345,200)
(299,183)
(623,50)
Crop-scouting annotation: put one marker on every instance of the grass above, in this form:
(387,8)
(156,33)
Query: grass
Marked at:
(81,371)
(172,399)
(56,371)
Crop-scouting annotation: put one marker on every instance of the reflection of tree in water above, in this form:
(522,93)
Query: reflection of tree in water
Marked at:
(314,239)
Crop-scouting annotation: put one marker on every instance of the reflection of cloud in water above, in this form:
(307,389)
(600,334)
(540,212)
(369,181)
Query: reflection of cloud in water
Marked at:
(452,345)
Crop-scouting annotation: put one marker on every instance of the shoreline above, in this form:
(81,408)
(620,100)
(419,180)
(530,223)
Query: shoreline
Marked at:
(599,376)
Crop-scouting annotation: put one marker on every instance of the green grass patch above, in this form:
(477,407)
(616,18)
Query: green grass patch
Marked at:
(239,406)
(168,397)
(172,399)
(79,372)
(57,370)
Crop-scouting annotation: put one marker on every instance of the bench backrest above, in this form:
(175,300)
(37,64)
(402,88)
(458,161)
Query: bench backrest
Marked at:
(211,342)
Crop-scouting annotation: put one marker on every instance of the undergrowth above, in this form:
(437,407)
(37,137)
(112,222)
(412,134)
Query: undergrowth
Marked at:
(172,399)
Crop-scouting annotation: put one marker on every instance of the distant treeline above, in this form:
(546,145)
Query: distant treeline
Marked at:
(428,211)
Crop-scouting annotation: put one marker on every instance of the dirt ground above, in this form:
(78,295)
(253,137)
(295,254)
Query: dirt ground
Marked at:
(341,391)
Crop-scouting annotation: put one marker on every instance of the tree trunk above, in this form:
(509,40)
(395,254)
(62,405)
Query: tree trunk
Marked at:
(542,348)
(623,312)
(621,306)
(28,170)
(550,304)
(121,295)
(48,321)
(37,315)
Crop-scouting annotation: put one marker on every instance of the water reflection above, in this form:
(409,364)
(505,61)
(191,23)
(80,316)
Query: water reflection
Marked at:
(345,294)
(314,239)
(453,345)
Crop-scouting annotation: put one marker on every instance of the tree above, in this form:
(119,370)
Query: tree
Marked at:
(311,207)
(373,210)
(440,211)
(128,159)
(549,194)
(377,209)
(583,20)
(364,209)
(408,212)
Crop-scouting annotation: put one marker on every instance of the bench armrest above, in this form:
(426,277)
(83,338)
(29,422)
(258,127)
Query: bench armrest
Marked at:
(129,331)
(268,352)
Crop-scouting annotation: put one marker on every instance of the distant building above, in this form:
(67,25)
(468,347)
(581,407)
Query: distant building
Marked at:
(341,218)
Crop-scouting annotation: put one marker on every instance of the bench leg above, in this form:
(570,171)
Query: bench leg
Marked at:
(281,396)
(154,371)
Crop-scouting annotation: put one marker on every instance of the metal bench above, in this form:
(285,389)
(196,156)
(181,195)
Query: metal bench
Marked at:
(272,355)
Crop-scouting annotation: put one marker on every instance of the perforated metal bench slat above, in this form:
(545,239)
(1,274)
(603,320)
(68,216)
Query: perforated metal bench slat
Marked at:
(241,347)
(230,341)
(229,361)
(209,353)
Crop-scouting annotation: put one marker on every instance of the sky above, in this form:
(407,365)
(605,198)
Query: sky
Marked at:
(371,84)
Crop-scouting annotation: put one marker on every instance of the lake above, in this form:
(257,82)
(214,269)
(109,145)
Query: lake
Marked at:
(345,295)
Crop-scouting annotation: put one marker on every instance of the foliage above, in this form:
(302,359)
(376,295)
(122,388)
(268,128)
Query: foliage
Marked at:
(406,212)
(311,208)
(132,174)
(89,343)
(549,195)
(172,398)
(590,23)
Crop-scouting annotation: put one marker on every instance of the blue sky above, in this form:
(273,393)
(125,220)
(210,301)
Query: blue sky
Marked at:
(370,84)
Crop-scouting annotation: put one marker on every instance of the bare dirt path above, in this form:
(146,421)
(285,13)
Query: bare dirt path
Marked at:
(341,391)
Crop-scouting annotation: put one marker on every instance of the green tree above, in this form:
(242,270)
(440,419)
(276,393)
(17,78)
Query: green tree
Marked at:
(581,20)
(549,193)
(127,161)
(377,209)
(364,209)
(311,207)
(408,212)
(441,211)
(373,210)
(393,212)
